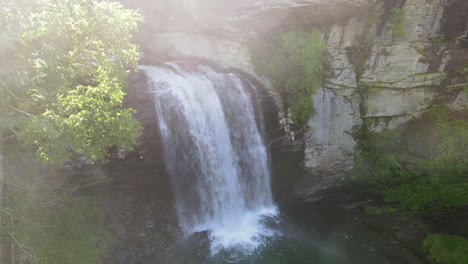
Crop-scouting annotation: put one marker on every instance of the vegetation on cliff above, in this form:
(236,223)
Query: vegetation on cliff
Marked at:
(424,169)
(420,170)
(293,62)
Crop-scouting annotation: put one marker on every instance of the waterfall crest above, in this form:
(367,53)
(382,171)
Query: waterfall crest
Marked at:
(215,153)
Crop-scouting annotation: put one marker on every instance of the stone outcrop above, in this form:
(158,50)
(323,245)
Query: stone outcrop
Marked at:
(226,52)
(390,60)
(386,80)
(219,31)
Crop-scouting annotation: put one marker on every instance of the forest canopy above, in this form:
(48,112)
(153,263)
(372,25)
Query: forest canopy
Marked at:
(63,72)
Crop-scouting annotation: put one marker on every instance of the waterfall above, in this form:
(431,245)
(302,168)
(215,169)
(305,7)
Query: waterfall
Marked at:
(215,154)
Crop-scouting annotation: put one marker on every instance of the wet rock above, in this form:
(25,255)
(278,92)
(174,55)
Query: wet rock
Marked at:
(149,224)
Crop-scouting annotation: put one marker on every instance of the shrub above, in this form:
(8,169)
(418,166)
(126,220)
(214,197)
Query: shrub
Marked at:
(293,62)
(418,183)
(446,249)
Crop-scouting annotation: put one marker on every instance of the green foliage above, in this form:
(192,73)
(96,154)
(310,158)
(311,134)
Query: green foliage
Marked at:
(439,180)
(294,63)
(434,193)
(432,182)
(64,64)
(397,21)
(77,233)
(72,125)
(371,167)
(446,249)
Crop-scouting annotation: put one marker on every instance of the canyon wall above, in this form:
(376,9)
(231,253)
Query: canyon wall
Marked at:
(388,65)
(389,59)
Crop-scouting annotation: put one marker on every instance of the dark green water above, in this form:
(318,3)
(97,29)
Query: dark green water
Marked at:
(329,229)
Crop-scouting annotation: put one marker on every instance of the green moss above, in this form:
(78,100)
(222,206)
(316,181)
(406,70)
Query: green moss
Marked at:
(293,61)
(397,21)
(446,249)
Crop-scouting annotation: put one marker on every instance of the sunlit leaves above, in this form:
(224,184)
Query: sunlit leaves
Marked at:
(72,39)
(64,68)
(87,121)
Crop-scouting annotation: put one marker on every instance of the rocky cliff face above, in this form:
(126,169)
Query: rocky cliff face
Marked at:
(389,64)
(218,30)
(390,59)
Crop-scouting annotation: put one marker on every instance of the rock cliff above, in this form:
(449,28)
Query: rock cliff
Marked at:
(389,59)
(389,64)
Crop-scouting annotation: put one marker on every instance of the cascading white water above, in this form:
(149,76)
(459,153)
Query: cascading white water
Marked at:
(215,154)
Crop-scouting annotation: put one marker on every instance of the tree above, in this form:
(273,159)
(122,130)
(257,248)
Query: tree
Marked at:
(63,70)
(293,63)
(64,65)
